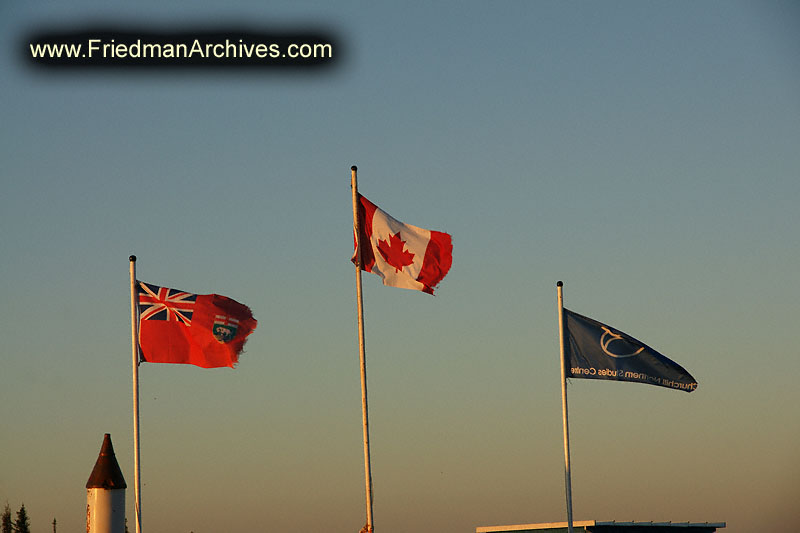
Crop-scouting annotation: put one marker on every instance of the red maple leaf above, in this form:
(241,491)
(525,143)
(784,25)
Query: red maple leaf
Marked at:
(393,252)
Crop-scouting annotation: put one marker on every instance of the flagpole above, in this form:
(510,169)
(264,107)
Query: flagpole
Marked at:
(135,351)
(362,352)
(567,471)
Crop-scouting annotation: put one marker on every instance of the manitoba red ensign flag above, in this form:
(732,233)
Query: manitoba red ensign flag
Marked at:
(401,254)
(206,330)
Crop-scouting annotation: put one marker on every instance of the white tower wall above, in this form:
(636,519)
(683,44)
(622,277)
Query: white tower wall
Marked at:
(105,511)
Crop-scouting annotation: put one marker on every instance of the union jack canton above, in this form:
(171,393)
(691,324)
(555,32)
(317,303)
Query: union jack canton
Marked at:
(161,303)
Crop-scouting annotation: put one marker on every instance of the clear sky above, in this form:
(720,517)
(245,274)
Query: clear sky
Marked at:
(645,153)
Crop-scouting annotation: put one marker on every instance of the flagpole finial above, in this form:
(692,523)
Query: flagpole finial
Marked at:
(560,284)
(132,259)
(354,168)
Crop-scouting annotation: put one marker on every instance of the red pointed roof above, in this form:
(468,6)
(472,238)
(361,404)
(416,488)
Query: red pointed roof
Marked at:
(106,473)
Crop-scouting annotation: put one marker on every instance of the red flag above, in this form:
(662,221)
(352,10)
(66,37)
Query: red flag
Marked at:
(206,330)
(403,255)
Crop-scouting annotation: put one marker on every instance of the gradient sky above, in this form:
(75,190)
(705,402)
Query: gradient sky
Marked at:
(645,153)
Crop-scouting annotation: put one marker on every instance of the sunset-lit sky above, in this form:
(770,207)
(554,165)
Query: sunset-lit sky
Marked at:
(645,153)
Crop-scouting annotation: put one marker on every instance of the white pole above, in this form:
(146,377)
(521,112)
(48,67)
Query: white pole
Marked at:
(567,471)
(368,528)
(135,348)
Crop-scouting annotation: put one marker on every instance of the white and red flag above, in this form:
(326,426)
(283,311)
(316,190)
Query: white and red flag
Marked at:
(402,255)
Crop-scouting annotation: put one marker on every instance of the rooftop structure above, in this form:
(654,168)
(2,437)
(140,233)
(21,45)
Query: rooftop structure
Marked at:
(608,527)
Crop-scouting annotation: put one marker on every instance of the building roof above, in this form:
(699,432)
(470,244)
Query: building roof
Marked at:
(607,527)
(106,473)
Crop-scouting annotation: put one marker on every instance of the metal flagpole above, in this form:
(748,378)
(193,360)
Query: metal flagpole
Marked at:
(135,349)
(567,471)
(362,353)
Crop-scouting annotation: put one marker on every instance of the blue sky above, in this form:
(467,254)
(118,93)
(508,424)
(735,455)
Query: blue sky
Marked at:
(645,153)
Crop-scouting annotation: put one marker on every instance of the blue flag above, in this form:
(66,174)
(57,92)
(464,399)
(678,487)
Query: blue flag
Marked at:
(596,351)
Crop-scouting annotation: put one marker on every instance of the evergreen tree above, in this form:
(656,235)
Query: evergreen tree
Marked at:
(6,525)
(22,524)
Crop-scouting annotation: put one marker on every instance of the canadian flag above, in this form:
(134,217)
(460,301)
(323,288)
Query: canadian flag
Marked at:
(402,255)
